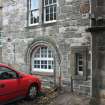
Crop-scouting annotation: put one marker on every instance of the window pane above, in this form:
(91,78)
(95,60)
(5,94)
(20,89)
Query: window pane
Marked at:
(51,9)
(46,2)
(6,73)
(34,17)
(49,67)
(80,63)
(44,52)
(80,68)
(37,53)
(37,66)
(43,66)
(34,4)
(49,54)
(47,10)
(51,16)
(36,62)
(47,17)
(50,1)
(55,8)
(43,62)
(54,16)
(54,1)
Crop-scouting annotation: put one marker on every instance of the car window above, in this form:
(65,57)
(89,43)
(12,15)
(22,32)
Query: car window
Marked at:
(6,73)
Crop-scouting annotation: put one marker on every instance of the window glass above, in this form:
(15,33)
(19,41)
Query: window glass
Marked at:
(34,17)
(50,10)
(79,63)
(46,2)
(54,1)
(34,4)
(34,12)
(43,59)
(50,1)
(6,73)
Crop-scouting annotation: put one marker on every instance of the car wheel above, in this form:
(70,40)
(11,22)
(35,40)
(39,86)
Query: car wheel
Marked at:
(32,92)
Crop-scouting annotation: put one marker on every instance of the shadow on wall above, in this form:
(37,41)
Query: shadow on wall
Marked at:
(99,85)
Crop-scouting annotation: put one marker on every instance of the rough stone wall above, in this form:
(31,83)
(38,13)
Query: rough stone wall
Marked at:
(99,63)
(67,31)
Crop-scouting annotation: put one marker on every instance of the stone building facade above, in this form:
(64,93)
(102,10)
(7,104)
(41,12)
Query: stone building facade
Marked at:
(97,30)
(48,38)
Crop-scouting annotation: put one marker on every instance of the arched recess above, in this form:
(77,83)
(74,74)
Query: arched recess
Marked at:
(42,41)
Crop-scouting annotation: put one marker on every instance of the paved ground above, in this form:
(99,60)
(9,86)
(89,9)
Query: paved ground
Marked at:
(56,98)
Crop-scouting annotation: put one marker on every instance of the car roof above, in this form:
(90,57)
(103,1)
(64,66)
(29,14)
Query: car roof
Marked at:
(5,65)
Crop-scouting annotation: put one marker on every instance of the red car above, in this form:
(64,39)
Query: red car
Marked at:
(16,85)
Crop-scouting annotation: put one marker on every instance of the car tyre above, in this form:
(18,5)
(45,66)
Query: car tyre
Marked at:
(32,92)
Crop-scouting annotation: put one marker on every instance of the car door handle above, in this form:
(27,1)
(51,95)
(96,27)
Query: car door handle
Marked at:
(2,85)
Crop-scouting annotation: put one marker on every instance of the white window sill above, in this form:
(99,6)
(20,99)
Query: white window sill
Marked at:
(34,24)
(48,22)
(43,70)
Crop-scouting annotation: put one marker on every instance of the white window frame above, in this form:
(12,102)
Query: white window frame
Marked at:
(29,14)
(49,5)
(42,59)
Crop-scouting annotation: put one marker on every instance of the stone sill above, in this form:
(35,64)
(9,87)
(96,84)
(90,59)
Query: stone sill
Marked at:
(43,73)
(41,25)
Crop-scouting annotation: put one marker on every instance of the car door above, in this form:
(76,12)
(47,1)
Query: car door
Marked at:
(9,84)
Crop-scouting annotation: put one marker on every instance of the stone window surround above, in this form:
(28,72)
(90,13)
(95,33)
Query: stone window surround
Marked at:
(41,14)
(83,50)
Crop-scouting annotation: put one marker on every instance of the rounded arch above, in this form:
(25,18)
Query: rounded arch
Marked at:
(38,42)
